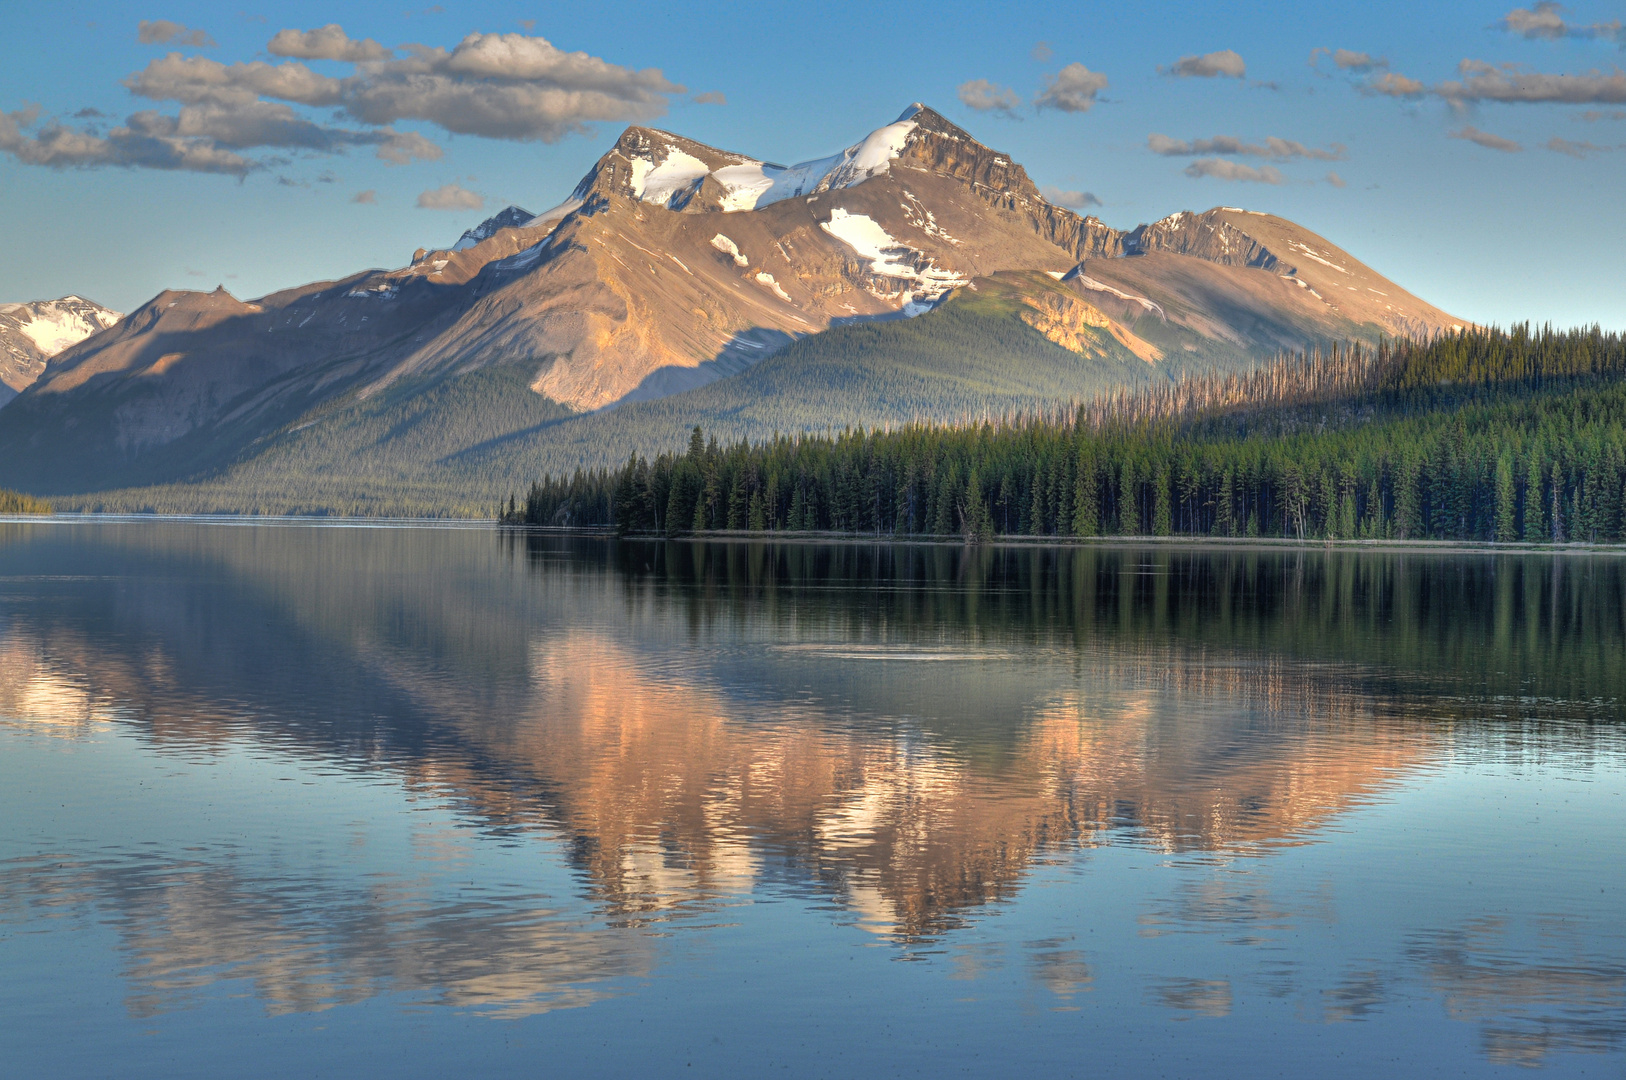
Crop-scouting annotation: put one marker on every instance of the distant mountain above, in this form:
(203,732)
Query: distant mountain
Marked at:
(671,266)
(32,333)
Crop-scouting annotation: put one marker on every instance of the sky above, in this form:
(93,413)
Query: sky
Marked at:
(1475,153)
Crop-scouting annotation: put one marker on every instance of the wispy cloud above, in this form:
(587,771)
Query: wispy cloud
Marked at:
(1546,20)
(1272,148)
(710,97)
(1225,63)
(1480,81)
(1575,149)
(365,198)
(1221,169)
(1335,180)
(164,32)
(1486,139)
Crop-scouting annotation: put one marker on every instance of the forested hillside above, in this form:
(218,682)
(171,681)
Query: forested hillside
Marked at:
(1484,435)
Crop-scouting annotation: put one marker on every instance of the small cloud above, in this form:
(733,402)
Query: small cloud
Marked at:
(1073,200)
(1220,169)
(1348,60)
(195,273)
(1042,52)
(1072,89)
(327,178)
(164,32)
(89,114)
(403,147)
(710,97)
(984,96)
(365,198)
(1487,140)
(528,25)
(328,42)
(1393,84)
(1226,62)
(288,181)
(1335,180)
(1592,116)
(451,197)
(1574,149)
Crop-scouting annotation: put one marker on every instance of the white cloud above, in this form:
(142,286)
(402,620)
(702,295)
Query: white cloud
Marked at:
(984,96)
(365,198)
(506,86)
(450,197)
(1073,200)
(162,31)
(1487,140)
(1072,89)
(191,80)
(1272,148)
(710,97)
(1335,180)
(1221,169)
(1226,62)
(328,42)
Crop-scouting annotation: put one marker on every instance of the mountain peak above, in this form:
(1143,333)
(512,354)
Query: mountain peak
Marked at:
(512,217)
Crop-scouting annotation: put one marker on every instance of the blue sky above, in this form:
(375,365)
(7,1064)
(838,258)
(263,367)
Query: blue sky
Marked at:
(1456,190)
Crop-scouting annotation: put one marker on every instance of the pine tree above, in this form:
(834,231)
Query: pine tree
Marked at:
(1506,519)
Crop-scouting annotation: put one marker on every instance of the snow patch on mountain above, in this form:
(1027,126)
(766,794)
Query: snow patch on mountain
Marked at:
(890,258)
(54,325)
(659,184)
(730,248)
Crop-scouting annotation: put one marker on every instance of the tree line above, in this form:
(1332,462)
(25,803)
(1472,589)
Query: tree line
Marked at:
(1481,435)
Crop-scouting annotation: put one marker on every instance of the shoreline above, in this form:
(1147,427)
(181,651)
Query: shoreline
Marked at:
(736,536)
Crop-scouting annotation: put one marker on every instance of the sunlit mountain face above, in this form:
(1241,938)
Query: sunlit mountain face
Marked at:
(517,766)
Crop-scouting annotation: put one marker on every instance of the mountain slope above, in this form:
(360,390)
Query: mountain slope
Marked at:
(671,266)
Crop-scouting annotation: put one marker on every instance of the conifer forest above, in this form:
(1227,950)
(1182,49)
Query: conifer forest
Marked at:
(1484,435)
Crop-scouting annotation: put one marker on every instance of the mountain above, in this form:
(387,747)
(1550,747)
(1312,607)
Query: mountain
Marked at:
(32,333)
(657,290)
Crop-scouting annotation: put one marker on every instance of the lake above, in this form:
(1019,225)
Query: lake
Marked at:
(326,799)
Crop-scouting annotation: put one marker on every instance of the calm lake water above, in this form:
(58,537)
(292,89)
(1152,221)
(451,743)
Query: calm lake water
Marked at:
(398,802)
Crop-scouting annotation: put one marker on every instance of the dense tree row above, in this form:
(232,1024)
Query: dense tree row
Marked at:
(1483,435)
(12,502)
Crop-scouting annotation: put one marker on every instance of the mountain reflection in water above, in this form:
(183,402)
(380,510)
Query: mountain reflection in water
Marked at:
(903,736)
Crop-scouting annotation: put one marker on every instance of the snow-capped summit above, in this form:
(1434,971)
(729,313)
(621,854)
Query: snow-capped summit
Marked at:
(32,333)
